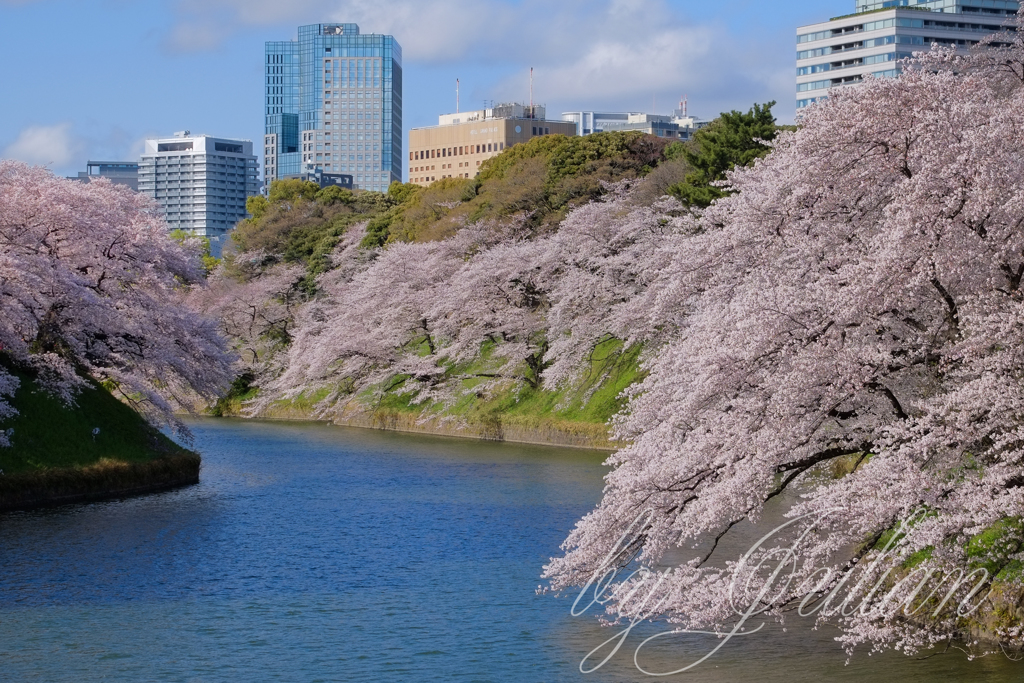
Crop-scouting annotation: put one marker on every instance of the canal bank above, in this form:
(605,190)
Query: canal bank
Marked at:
(95,448)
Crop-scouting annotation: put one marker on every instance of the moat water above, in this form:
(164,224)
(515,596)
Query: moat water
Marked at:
(317,553)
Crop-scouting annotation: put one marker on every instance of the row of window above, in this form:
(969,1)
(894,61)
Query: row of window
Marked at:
(350,64)
(846,80)
(430,179)
(862,61)
(352,95)
(900,22)
(800,104)
(421,169)
(351,115)
(349,136)
(888,40)
(860,45)
(456,151)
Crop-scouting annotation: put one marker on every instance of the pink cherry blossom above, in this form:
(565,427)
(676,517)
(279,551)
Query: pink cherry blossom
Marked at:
(92,286)
(858,299)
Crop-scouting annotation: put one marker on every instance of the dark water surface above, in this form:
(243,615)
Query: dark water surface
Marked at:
(315,553)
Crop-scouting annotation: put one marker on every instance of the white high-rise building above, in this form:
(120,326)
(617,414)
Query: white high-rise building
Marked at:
(844,50)
(200,182)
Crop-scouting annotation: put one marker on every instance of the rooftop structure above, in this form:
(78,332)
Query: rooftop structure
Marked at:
(117,172)
(325,180)
(680,125)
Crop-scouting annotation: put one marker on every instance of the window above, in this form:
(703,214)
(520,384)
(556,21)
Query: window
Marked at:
(816,85)
(808,37)
(817,68)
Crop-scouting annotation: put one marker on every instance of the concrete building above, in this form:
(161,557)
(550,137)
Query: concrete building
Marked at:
(461,142)
(333,103)
(844,50)
(679,126)
(200,182)
(674,127)
(118,172)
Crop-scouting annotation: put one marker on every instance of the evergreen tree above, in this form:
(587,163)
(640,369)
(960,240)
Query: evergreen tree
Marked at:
(734,139)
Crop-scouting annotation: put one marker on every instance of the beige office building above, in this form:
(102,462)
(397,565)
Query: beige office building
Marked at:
(460,143)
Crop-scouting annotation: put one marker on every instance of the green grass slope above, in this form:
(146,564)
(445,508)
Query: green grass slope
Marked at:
(49,435)
(580,412)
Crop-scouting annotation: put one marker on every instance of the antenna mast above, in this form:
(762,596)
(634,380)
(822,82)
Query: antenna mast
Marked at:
(456,96)
(531,94)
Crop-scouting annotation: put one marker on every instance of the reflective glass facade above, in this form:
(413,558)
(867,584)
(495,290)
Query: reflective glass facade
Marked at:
(334,104)
(845,50)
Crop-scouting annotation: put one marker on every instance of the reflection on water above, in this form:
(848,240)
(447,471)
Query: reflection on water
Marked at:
(317,553)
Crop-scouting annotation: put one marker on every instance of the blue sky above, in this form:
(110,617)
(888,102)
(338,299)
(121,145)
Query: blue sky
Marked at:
(91,79)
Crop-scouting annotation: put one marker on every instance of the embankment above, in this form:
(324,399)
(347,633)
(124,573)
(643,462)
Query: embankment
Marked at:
(98,448)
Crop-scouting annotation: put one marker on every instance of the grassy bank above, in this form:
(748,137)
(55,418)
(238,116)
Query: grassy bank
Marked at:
(56,457)
(571,416)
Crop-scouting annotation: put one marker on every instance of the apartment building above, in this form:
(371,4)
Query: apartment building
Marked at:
(461,142)
(333,104)
(844,50)
(200,182)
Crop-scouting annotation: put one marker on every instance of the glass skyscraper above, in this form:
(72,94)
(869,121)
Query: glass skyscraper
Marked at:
(871,42)
(334,104)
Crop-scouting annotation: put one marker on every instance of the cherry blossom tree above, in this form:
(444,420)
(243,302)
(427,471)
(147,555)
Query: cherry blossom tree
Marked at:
(492,304)
(855,308)
(256,304)
(609,256)
(369,325)
(93,288)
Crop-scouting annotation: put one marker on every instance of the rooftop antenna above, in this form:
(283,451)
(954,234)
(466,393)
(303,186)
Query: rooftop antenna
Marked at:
(531,93)
(456,96)
(684,103)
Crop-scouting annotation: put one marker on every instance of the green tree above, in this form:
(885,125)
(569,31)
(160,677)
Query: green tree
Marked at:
(257,206)
(329,196)
(209,261)
(402,192)
(291,190)
(734,139)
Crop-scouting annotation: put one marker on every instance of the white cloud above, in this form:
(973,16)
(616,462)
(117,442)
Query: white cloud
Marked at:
(612,68)
(53,146)
(591,53)
(440,31)
(194,36)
